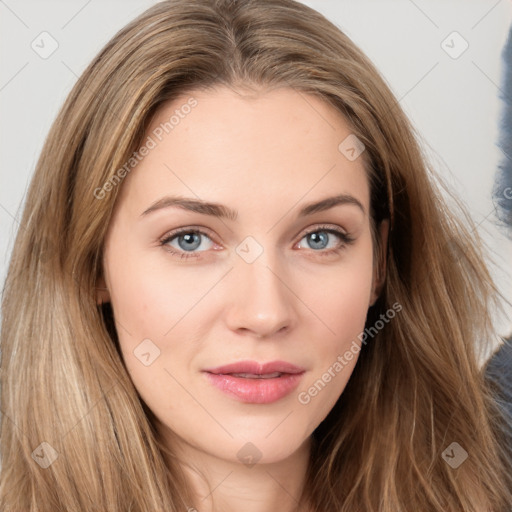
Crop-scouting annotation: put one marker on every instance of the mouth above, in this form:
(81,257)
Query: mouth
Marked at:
(273,375)
(257,383)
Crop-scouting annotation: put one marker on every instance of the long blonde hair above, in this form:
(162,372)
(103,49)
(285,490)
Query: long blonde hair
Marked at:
(67,399)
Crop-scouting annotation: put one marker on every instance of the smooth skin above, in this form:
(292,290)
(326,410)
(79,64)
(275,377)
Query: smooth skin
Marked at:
(265,155)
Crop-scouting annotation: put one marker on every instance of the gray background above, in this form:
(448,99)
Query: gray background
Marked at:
(452,102)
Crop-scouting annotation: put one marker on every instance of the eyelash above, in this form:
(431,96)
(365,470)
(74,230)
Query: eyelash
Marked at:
(346,240)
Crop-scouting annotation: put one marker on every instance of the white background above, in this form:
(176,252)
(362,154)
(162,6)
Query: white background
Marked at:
(453,103)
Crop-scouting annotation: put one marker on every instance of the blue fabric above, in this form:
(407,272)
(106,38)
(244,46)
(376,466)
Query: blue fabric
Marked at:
(499,370)
(502,193)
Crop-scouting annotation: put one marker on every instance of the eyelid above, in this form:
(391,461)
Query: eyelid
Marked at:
(175,253)
(320,227)
(345,237)
(206,231)
(188,229)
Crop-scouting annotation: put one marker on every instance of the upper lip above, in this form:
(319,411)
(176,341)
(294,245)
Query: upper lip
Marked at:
(256,368)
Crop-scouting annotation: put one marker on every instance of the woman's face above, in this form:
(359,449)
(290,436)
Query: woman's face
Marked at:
(268,274)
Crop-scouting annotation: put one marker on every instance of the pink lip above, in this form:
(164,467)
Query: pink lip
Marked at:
(256,390)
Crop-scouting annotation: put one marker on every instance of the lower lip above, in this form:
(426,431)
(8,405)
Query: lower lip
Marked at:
(256,391)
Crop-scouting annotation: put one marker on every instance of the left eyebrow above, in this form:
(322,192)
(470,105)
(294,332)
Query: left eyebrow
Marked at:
(222,211)
(193,205)
(330,202)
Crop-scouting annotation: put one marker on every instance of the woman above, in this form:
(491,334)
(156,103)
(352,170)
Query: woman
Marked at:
(236,286)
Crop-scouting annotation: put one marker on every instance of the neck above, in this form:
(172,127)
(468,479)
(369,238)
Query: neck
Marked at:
(226,486)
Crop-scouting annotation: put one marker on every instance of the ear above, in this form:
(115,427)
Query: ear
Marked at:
(379,266)
(102,294)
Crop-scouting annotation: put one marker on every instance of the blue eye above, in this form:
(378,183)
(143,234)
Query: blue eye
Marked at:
(319,239)
(188,241)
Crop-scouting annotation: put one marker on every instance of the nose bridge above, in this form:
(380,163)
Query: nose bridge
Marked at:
(261,301)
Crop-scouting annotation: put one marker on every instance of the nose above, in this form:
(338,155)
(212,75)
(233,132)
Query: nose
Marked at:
(261,301)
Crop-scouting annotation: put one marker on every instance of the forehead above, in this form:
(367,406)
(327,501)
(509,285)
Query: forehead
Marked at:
(246,149)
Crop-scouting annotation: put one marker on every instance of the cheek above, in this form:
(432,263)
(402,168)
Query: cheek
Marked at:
(150,303)
(166,303)
(148,298)
(341,303)
(340,297)
(344,298)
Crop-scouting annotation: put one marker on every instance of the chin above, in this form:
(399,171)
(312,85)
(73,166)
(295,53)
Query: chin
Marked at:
(264,449)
